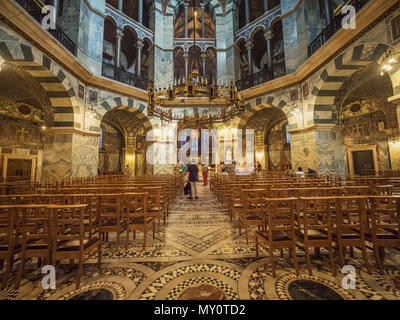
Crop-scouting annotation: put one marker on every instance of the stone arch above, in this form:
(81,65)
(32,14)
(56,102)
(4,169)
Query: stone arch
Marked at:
(258,104)
(139,109)
(173,5)
(53,81)
(332,78)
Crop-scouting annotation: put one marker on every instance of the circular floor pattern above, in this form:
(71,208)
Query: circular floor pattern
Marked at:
(389,280)
(100,290)
(305,287)
(202,288)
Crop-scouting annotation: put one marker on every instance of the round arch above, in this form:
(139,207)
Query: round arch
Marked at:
(50,78)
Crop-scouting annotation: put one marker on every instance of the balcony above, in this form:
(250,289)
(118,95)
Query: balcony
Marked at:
(112,72)
(32,7)
(260,77)
(331,29)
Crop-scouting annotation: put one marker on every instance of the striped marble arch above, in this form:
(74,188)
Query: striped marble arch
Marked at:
(337,72)
(53,80)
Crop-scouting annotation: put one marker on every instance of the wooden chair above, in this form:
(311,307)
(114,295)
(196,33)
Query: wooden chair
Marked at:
(69,239)
(34,223)
(280,231)
(9,239)
(253,211)
(351,223)
(110,207)
(137,216)
(384,227)
(315,227)
(154,206)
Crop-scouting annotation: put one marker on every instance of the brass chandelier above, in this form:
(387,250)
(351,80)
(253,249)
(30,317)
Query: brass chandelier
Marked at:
(195,92)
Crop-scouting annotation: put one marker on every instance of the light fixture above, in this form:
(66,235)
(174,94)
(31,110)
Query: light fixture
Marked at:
(91,113)
(1,64)
(388,62)
(44,127)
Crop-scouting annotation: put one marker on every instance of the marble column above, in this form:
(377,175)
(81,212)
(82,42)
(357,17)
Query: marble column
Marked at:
(268,36)
(247,11)
(140,13)
(120,5)
(139,46)
(266,7)
(202,5)
(249,47)
(55,4)
(328,11)
(186,57)
(119,35)
(186,6)
(203,59)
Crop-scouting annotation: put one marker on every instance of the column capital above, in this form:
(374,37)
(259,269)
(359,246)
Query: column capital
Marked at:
(119,33)
(140,44)
(204,55)
(186,55)
(268,34)
(186,5)
(202,6)
(249,44)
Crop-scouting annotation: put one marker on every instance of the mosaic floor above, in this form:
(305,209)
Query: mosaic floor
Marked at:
(200,255)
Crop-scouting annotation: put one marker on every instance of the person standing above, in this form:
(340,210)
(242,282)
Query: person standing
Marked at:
(184,168)
(127,171)
(259,167)
(205,174)
(193,175)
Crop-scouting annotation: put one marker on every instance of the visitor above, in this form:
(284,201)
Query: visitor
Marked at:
(300,173)
(193,176)
(259,167)
(311,173)
(127,171)
(288,172)
(205,174)
(184,168)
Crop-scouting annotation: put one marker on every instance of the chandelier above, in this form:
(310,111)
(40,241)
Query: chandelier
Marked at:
(389,61)
(195,92)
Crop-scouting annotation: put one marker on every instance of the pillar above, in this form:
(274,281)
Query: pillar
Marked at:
(120,5)
(203,58)
(268,36)
(186,57)
(328,11)
(266,7)
(55,4)
(202,5)
(140,13)
(119,35)
(249,47)
(186,6)
(247,11)
(139,46)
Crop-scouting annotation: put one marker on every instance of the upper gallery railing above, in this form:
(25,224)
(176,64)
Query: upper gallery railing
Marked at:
(260,77)
(34,8)
(332,28)
(121,75)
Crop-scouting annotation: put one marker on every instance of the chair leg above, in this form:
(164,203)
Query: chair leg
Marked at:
(295,263)
(127,238)
(332,260)
(144,237)
(9,265)
(20,272)
(341,254)
(246,233)
(79,274)
(256,239)
(307,250)
(378,258)
(271,258)
(365,257)
(99,252)
(154,230)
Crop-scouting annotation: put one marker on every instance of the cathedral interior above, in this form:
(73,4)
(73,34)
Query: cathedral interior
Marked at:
(94,95)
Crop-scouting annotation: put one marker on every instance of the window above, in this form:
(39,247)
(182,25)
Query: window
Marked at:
(287,135)
(396,27)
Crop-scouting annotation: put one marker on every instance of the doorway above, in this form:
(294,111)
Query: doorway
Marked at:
(363,162)
(19,169)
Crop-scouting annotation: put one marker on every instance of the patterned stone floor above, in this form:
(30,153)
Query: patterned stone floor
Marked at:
(200,255)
